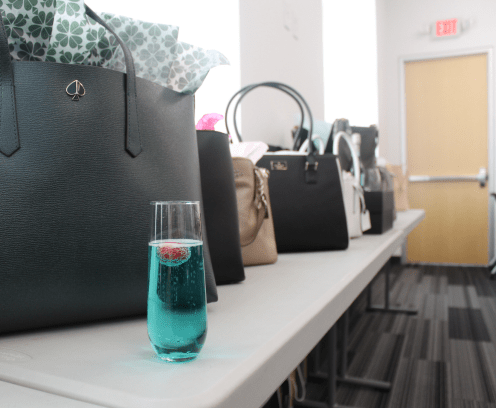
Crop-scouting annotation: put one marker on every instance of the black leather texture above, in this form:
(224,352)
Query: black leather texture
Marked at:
(74,205)
(221,208)
(368,144)
(381,207)
(307,216)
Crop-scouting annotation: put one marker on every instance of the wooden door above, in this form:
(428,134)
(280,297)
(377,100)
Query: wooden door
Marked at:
(446,114)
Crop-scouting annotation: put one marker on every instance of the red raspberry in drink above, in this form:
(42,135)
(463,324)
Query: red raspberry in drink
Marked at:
(172,254)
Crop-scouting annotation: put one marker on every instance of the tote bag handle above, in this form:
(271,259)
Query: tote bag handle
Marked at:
(9,133)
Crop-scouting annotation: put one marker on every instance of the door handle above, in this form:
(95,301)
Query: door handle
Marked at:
(481,177)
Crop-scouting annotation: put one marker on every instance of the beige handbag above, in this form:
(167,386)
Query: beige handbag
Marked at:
(400,187)
(256,228)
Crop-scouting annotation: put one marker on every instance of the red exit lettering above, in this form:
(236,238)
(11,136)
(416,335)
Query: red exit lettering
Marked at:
(446,27)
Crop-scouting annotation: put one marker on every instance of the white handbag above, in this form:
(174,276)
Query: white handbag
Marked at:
(357,215)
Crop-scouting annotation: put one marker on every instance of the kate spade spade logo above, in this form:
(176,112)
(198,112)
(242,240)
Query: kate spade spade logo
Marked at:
(75,89)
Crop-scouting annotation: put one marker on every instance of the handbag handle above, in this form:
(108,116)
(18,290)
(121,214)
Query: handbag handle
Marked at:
(311,163)
(315,138)
(133,136)
(354,157)
(244,91)
(9,133)
(356,164)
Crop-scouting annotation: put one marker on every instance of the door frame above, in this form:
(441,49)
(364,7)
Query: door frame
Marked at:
(491,145)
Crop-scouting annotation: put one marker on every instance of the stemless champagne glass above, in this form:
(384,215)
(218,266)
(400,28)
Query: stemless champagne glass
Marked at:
(177,306)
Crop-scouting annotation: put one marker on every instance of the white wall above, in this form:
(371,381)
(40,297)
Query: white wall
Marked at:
(281,40)
(212,24)
(399,26)
(350,61)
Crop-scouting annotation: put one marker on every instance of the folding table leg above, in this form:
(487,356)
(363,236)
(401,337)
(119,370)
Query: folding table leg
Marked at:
(330,378)
(346,379)
(387,308)
(316,358)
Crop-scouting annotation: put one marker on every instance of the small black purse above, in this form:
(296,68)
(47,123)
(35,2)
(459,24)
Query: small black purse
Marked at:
(220,206)
(306,190)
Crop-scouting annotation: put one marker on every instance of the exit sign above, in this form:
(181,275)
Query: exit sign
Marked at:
(447,28)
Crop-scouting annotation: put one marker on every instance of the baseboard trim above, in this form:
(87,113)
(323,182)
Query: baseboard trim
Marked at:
(445,264)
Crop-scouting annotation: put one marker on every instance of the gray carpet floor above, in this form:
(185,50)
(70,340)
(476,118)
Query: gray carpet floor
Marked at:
(445,356)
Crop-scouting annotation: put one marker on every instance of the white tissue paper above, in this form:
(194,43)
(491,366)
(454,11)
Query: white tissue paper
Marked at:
(250,150)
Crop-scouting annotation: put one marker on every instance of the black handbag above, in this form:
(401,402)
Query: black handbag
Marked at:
(368,144)
(76,181)
(305,190)
(221,211)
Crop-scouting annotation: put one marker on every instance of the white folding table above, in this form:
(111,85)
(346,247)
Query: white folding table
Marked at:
(258,332)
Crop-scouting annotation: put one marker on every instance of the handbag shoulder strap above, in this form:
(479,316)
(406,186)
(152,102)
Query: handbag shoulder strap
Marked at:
(9,134)
(354,157)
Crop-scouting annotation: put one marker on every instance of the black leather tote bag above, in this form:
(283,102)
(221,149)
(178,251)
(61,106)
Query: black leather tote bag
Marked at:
(76,180)
(306,190)
(220,204)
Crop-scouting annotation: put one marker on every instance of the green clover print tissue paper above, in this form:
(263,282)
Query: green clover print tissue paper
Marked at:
(60,31)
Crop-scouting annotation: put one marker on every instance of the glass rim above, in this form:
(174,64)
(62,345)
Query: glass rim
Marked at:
(174,202)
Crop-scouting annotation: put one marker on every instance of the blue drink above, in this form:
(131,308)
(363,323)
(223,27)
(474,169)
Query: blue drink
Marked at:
(177,309)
